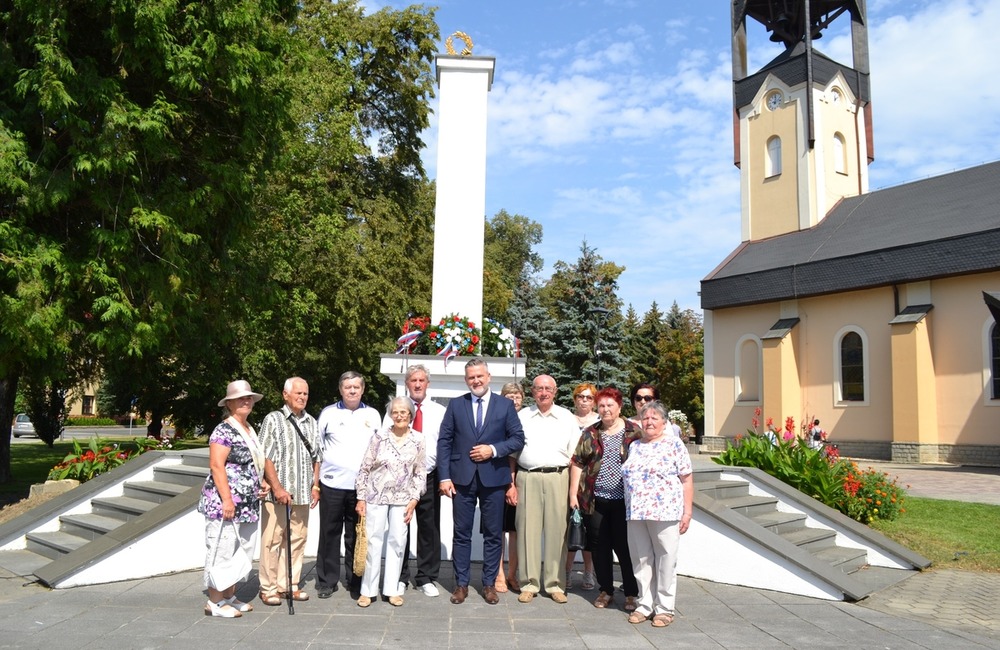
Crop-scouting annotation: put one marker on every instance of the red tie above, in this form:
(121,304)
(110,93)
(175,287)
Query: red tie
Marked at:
(418,419)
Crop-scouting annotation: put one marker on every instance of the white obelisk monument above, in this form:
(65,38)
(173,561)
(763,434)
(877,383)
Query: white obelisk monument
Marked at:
(464,83)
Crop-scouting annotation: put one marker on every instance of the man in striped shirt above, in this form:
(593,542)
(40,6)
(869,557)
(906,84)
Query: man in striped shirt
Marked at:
(291,446)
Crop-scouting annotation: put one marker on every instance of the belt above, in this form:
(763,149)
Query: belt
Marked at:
(545,470)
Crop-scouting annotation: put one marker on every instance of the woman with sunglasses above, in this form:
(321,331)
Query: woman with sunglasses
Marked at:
(641,395)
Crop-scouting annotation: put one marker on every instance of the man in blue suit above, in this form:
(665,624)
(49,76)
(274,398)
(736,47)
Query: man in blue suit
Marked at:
(480,429)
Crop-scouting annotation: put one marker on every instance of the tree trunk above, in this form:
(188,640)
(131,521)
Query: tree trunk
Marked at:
(155,426)
(8,391)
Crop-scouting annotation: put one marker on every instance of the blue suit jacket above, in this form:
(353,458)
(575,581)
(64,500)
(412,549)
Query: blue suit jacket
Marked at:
(458,436)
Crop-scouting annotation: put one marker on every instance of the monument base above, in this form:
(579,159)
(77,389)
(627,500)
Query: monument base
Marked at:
(448,380)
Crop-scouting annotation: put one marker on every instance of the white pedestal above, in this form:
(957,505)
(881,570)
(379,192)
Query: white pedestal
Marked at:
(449,381)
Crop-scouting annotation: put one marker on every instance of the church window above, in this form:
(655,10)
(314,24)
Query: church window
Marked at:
(995,360)
(839,154)
(772,162)
(748,369)
(852,367)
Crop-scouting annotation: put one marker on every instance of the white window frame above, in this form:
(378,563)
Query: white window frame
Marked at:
(988,399)
(738,375)
(838,370)
(772,157)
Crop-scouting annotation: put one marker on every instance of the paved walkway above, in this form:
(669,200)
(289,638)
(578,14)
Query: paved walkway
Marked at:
(936,609)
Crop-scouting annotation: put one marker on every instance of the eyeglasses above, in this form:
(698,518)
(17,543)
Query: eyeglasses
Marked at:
(585,397)
(644,398)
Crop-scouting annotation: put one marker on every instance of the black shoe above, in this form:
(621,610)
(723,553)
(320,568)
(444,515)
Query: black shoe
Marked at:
(326,592)
(355,594)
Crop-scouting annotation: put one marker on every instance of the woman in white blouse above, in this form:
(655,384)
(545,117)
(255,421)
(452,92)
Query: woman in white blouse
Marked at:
(393,475)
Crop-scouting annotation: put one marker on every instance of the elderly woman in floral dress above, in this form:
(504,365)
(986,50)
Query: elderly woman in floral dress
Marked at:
(230,498)
(393,476)
(659,501)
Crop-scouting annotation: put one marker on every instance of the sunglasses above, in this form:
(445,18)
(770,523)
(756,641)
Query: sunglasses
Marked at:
(644,398)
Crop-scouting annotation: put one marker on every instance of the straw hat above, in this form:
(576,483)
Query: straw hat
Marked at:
(237,389)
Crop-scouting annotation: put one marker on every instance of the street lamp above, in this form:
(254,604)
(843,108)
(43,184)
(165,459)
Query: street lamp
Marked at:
(601,313)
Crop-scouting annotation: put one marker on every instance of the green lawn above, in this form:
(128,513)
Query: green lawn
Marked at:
(30,463)
(952,534)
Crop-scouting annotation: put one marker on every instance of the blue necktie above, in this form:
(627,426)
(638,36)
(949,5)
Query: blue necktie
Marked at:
(479,414)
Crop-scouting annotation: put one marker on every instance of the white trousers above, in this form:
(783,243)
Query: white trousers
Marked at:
(385,530)
(653,547)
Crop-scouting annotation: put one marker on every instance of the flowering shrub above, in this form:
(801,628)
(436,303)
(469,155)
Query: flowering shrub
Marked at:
(872,495)
(498,340)
(820,473)
(100,457)
(453,335)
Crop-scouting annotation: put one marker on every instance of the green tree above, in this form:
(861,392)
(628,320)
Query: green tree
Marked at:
(344,238)
(509,259)
(133,136)
(641,342)
(681,368)
(584,307)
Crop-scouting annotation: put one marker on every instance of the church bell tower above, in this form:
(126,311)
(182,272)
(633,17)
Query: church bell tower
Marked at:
(802,123)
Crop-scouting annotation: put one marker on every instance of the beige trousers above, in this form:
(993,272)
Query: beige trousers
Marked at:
(273,566)
(541,521)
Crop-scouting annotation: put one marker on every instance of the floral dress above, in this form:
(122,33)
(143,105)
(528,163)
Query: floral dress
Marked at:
(652,473)
(244,482)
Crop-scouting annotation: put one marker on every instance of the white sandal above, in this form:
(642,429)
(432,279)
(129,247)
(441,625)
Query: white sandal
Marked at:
(239,605)
(222,609)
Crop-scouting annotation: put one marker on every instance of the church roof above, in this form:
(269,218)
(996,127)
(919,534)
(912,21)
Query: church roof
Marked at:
(932,228)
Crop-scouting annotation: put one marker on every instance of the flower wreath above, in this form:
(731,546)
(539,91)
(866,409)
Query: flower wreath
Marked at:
(454,335)
(498,340)
(413,329)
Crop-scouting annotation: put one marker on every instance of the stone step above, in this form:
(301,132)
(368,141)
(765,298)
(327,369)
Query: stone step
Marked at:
(811,539)
(750,506)
(846,559)
(53,544)
(124,508)
(723,489)
(88,525)
(184,474)
(155,491)
(780,522)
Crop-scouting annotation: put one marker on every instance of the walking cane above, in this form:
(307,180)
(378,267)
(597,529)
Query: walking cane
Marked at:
(288,557)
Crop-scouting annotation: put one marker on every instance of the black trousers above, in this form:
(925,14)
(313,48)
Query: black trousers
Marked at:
(428,517)
(607,536)
(337,520)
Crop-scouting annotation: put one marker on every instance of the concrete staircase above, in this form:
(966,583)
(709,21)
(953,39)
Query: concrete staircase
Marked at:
(751,529)
(138,520)
(748,529)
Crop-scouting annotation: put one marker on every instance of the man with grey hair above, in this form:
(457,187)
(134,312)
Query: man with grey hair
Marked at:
(540,471)
(291,468)
(345,429)
(427,421)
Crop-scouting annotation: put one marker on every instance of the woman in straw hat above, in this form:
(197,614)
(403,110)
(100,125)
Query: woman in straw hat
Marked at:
(230,499)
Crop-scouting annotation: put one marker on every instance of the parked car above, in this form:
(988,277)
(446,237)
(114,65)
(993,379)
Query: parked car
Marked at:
(23,426)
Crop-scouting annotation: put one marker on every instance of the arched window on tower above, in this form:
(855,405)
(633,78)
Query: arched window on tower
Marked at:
(839,154)
(772,162)
(852,368)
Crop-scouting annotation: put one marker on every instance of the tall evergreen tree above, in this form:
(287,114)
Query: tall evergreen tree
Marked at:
(680,371)
(587,335)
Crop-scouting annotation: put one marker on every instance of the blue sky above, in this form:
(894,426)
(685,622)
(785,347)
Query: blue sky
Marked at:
(610,120)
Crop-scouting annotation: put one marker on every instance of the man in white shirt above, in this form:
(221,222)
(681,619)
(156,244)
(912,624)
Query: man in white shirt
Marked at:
(427,420)
(551,434)
(345,429)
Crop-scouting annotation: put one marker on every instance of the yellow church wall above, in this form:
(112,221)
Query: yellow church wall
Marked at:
(941,395)
(772,213)
(846,180)
(960,321)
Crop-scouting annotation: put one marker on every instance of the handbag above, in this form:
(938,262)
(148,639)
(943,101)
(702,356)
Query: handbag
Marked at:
(576,538)
(360,546)
(224,574)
